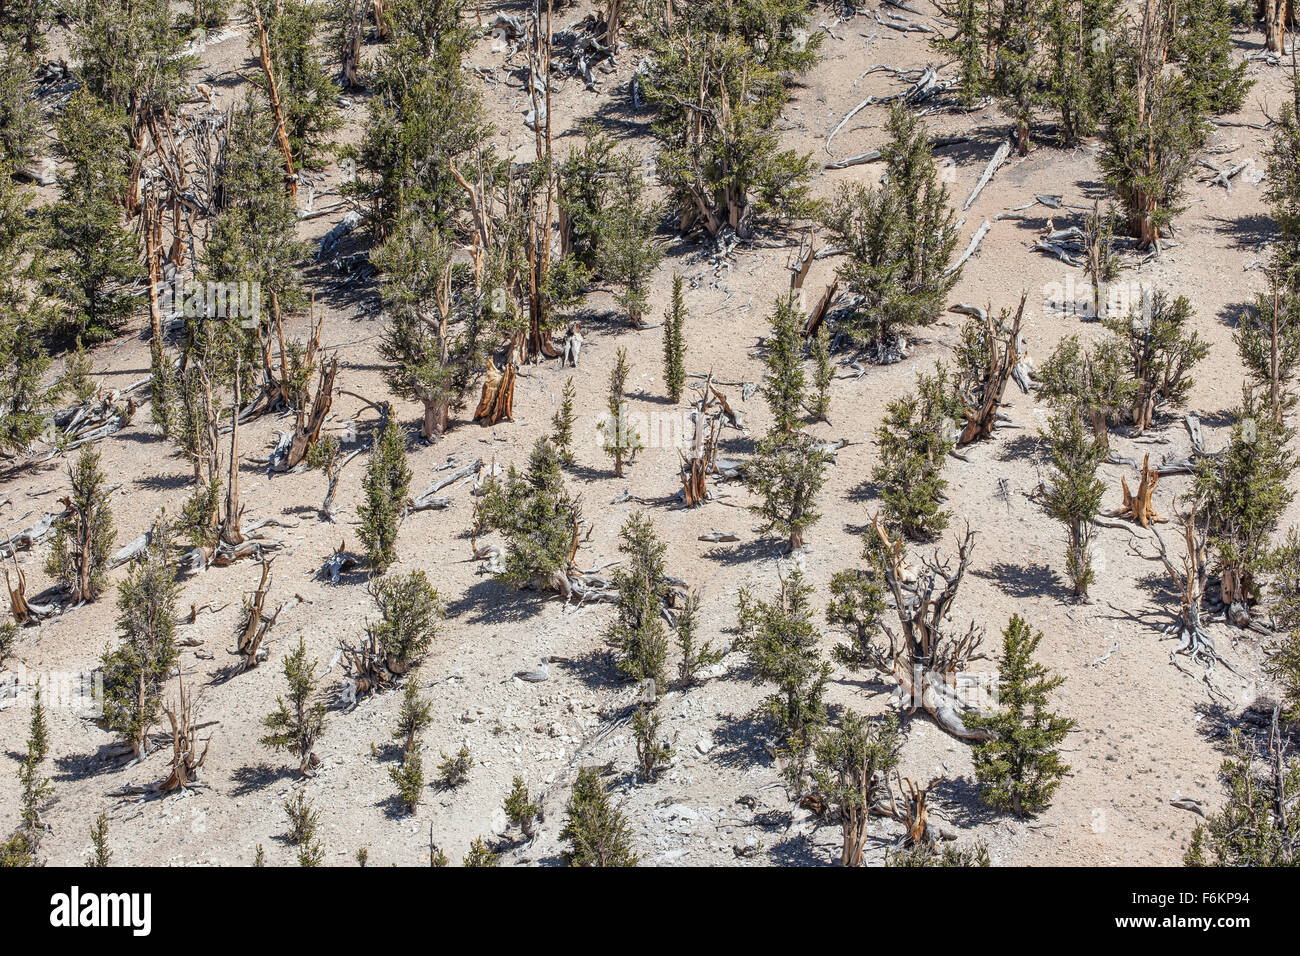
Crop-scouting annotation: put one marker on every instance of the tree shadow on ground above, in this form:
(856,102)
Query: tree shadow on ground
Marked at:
(492,602)
(1023,581)
(254,777)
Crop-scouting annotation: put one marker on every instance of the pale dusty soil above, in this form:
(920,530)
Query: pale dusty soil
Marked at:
(1146,732)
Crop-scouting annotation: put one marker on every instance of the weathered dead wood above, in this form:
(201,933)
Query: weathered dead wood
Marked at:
(1190,578)
(256,623)
(308,424)
(340,561)
(818,315)
(186,758)
(277,112)
(924,658)
(23,610)
(496,403)
(983,398)
(1138,506)
(999,157)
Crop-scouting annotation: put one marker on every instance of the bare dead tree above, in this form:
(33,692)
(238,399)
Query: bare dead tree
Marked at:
(924,657)
(277,112)
(983,396)
(1137,505)
(186,757)
(256,622)
(1190,576)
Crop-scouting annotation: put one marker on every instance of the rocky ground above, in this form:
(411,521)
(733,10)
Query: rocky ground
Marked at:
(1147,732)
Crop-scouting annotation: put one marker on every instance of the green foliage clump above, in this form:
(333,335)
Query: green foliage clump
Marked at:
(898,239)
(786,474)
(1203,43)
(1160,348)
(852,771)
(562,422)
(675,343)
(385,488)
(637,633)
(134,672)
(520,809)
(100,854)
(622,440)
(1097,383)
(1021,766)
(914,438)
(720,74)
(410,610)
(595,830)
(1253,828)
(537,516)
(304,823)
(1151,127)
(425,114)
(480,854)
(432,336)
(454,770)
(308,97)
(782,643)
(695,656)
(94,252)
(1244,492)
(784,382)
(1074,497)
(298,722)
(652,752)
(408,777)
(83,537)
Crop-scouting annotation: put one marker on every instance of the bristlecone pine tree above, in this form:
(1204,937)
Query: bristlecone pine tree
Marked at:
(675,343)
(298,723)
(1151,125)
(784,381)
(1074,497)
(23,846)
(594,829)
(537,517)
(1258,826)
(637,633)
(410,609)
(135,671)
(695,656)
(431,339)
(1160,348)
(521,810)
(898,239)
(304,823)
(718,82)
(823,374)
(782,643)
(1244,492)
(83,537)
(786,474)
(622,441)
(1097,382)
(95,252)
(914,439)
(652,752)
(385,487)
(562,422)
(480,854)
(788,468)
(1021,767)
(100,854)
(853,764)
